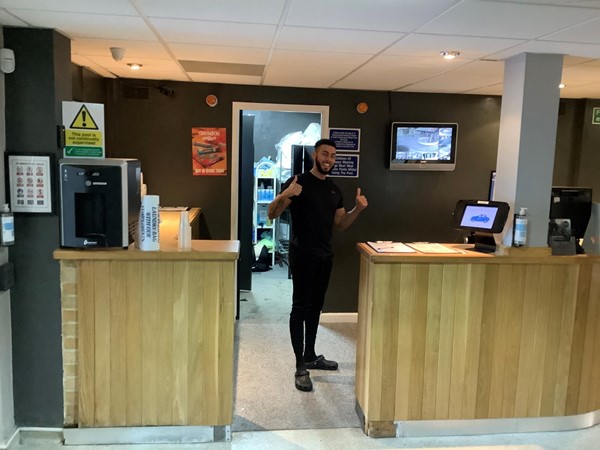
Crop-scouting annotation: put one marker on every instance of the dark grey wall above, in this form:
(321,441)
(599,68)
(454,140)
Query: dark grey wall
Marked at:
(589,164)
(33,110)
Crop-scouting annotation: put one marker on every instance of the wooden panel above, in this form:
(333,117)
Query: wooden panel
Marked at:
(513,339)
(591,347)
(419,329)
(475,311)
(150,336)
(102,341)
(432,338)
(389,340)
(210,348)
(362,333)
(196,343)
(86,344)
(539,341)
(134,343)
(486,356)
(118,343)
(225,331)
(526,363)
(406,300)
(446,337)
(181,296)
(564,349)
(164,330)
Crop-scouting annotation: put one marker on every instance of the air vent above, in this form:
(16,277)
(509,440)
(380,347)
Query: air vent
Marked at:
(489,60)
(135,92)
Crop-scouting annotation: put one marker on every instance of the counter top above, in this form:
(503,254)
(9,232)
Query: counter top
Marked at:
(517,256)
(204,250)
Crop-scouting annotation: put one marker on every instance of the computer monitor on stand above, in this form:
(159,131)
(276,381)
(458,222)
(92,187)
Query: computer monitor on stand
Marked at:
(482,218)
(573,203)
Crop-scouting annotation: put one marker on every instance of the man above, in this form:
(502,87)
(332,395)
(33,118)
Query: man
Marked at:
(316,206)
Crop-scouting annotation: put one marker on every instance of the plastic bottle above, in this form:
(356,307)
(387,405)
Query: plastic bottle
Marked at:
(8,226)
(520,236)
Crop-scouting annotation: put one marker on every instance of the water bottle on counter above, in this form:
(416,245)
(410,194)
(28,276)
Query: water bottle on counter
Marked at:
(520,235)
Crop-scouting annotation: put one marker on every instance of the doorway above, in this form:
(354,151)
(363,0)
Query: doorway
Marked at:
(257,132)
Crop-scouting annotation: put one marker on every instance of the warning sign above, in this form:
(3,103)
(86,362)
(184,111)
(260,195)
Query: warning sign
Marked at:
(84,129)
(84,120)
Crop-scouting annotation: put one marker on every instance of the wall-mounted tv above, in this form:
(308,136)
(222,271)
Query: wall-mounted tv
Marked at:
(423,146)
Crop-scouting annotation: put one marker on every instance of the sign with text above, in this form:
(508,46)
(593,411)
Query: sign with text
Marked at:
(346,139)
(209,151)
(84,130)
(345,166)
(596,116)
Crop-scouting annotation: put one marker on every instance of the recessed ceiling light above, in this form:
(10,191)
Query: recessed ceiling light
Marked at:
(449,54)
(562,86)
(134,66)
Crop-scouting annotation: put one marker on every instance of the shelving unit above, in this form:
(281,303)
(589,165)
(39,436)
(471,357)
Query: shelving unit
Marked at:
(264,192)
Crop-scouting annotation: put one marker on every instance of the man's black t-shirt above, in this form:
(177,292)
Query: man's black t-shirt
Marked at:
(313,212)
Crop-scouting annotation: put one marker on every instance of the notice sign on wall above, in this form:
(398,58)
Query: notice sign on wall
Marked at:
(346,139)
(209,151)
(596,116)
(84,129)
(345,166)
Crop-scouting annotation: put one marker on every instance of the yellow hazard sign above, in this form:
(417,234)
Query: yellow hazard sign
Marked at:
(84,130)
(83,120)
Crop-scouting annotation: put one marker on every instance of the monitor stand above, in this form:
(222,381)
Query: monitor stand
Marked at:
(484,242)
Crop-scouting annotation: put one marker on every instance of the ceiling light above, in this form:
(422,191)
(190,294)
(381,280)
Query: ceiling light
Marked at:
(134,66)
(562,86)
(449,54)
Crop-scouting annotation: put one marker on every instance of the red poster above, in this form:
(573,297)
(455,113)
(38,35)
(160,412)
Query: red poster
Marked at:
(209,151)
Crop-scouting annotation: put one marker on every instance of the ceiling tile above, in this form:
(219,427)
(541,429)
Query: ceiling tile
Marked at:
(560,48)
(324,77)
(317,59)
(495,89)
(255,11)
(585,33)
(90,25)
(215,33)
(508,20)
(417,44)
(382,15)
(10,20)
(332,40)
(240,55)
(82,61)
(477,74)
(116,7)
(389,72)
(133,49)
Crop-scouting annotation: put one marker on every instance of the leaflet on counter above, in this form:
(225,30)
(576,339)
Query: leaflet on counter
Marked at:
(390,247)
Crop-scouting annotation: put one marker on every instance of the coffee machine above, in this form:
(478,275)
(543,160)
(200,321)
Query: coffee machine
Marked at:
(100,202)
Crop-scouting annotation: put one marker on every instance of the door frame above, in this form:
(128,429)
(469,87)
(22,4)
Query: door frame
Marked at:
(237,108)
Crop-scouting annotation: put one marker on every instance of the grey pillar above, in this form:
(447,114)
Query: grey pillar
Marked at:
(527,140)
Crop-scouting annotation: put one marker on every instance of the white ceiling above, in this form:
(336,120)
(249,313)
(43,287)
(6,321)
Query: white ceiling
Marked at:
(390,45)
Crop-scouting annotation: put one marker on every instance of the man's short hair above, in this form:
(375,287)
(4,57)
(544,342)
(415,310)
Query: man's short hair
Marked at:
(325,142)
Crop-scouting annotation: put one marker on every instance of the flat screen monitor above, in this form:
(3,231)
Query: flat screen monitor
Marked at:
(423,146)
(574,203)
(482,218)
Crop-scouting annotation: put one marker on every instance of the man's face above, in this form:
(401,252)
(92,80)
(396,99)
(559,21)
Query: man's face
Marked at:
(324,158)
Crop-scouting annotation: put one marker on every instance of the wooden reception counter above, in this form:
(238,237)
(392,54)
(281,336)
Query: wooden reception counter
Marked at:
(449,338)
(148,338)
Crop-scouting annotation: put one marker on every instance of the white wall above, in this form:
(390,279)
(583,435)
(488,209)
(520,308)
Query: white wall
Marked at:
(7,421)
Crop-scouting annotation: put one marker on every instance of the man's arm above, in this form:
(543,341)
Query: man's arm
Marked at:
(343,219)
(282,201)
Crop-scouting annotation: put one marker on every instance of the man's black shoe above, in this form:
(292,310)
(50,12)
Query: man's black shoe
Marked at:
(321,364)
(303,382)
